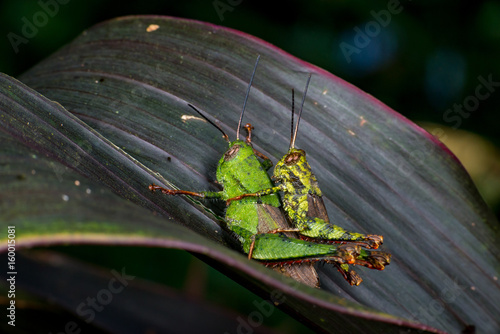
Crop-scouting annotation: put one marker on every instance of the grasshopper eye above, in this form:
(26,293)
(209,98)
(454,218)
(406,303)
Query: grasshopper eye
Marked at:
(292,158)
(232,152)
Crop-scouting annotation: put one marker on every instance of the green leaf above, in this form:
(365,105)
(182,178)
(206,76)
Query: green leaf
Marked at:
(125,124)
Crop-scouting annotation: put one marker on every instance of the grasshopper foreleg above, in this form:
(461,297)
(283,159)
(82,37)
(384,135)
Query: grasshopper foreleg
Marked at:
(264,192)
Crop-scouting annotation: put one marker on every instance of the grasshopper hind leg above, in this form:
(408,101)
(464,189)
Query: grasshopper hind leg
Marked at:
(319,230)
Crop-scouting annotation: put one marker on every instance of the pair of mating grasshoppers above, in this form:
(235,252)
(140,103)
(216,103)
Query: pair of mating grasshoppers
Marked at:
(268,235)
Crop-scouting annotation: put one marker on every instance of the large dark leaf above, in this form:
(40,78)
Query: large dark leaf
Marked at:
(50,208)
(380,173)
(114,299)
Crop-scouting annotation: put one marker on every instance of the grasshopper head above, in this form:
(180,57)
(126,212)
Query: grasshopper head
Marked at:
(291,164)
(296,174)
(294,156)
(232,159)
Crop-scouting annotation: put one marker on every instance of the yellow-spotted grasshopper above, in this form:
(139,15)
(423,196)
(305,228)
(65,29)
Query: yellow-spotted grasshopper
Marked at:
(239,171)
(303,203)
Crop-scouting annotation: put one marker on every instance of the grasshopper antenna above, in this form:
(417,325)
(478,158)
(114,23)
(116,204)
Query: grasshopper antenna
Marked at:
(246,98)
(293,111)
(209,121)
(294,136)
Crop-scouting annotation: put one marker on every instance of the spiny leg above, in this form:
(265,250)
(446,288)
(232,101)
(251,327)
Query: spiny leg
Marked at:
(278,250)
(373,259)
(281,249)
(349,275)
(346,254)
(372,241)
(353,255)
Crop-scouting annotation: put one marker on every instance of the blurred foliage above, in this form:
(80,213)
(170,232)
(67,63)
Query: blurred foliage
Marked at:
(479,156)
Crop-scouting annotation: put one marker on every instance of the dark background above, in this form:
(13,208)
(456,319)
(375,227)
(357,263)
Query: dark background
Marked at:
(426,58)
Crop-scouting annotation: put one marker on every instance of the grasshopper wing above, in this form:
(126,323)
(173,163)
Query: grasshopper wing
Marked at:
(316,207)
(272,218)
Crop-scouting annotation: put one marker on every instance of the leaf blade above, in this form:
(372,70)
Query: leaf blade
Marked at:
(375,167)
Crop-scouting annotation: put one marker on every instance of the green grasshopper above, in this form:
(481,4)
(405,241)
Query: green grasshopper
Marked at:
(303,204)
(239,171)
